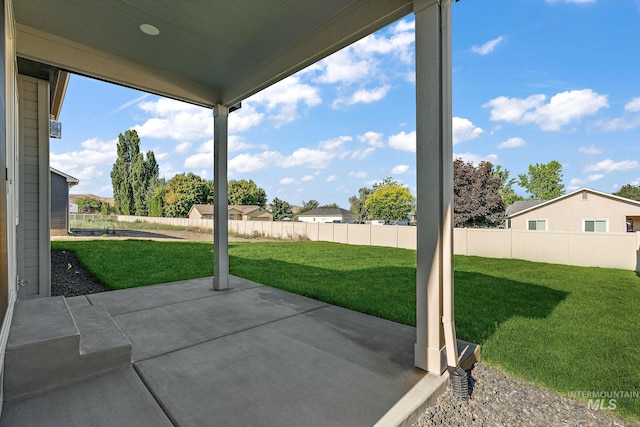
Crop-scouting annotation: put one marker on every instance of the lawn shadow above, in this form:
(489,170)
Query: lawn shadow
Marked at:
(482,302)
(117,232)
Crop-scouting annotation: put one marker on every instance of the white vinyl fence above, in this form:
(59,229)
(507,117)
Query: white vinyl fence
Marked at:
(610,250)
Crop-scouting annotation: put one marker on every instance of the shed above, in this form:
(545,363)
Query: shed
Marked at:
(60,184)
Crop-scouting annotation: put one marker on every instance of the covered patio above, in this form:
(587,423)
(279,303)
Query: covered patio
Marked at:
(250,355)
(216,55)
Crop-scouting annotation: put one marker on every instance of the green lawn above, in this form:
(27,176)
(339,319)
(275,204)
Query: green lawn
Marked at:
(567,328)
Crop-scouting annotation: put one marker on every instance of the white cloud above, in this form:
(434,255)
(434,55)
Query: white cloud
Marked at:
(335,143)
(591,150)
(245,118)
(358,174)
(345,67)
(306,178)
(464,130)
(287,181)
(363,96)
(305,157)
(403,141)
(628,121)
(331,178)
(512,143)
(87,164)
(562,108)
(488,47)
(476,158)
(576,183)
(374,139)
(129,103)
(362,154)
(400,169)
(609,165)
(283,99)
(182,147)
(633,106)
(175,120)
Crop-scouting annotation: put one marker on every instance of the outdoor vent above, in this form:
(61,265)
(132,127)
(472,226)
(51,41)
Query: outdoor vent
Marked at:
(55,129)
(585,195)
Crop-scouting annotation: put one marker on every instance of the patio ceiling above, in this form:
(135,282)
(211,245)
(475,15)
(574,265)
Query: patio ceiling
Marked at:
(207,52)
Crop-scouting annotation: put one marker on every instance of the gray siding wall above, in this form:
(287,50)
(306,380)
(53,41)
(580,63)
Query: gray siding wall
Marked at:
(59,202)
(33,244)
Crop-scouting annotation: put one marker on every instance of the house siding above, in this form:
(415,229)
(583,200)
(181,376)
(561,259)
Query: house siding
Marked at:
(59,203)
(33,228)
(568,214)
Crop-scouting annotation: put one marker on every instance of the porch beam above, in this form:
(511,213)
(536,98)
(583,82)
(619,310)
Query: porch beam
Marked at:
(220,198)
(434,167)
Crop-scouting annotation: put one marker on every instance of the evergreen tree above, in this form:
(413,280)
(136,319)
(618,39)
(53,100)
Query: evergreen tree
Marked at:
(133,176)
(281,209)
(629,191)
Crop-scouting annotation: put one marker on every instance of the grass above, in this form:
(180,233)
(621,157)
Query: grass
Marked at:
(567,328)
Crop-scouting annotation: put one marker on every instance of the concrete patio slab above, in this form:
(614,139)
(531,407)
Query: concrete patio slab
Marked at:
(253,355)
(135,299)
(265,376)
(116,399)
(170,327)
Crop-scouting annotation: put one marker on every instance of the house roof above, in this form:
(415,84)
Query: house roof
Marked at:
(202,209)
(207,53)
(70,180)
(328,212)
(520,205)
(573,193)
(245,209)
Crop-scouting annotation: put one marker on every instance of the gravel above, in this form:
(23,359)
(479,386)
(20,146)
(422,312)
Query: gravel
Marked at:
(69,279)
(500,400)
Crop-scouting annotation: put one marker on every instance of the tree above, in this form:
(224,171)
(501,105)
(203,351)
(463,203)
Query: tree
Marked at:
(331,205)
(390,202)
(243,192)
(506,188)
(358,203)
(156,204)
(183,191)
(132,175)
(543,181)
(629,191)
(308,206)
(280,209)
(477,201)
(88,204)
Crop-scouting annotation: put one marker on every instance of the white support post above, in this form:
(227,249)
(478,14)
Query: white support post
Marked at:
(220,198)
(434,164)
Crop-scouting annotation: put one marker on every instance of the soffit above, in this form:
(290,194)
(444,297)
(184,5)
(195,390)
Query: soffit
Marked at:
(207,51)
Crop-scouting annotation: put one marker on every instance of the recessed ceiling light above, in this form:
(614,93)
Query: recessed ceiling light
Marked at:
(149,29)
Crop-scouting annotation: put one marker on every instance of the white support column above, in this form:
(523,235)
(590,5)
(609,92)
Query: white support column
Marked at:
(220,198)
(434,164)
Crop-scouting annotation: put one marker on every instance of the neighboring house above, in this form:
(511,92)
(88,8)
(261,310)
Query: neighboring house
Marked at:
(201,212)
(236,212)
(249,213)
(583,210)
(60,184)
(328,215)
(73,208)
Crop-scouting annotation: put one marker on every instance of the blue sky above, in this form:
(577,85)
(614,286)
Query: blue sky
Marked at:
(533,81)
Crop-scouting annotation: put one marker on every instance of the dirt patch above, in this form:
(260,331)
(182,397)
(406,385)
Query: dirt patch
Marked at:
(123,234)
(69,279)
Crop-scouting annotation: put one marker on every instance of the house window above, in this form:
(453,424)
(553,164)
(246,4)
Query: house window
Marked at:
(537,224)
(595,225)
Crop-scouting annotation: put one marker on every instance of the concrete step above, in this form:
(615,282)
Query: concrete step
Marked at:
(51,345)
